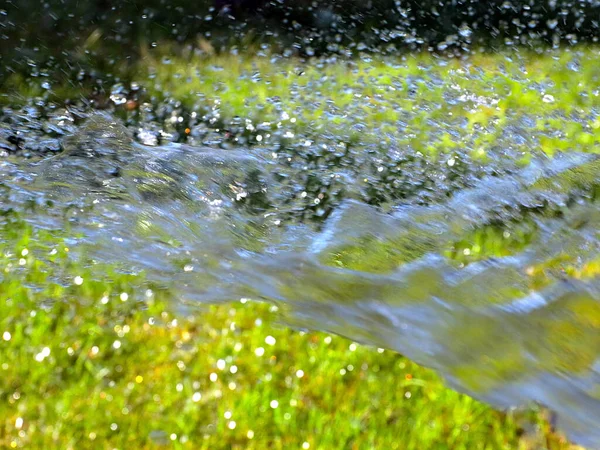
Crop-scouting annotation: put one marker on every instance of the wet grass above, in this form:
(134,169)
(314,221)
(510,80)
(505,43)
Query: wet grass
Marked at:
(92,357)
(431,105)
(370,254)
(521,100)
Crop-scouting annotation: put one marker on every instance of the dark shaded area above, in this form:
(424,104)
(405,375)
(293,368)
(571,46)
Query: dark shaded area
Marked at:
(98,35)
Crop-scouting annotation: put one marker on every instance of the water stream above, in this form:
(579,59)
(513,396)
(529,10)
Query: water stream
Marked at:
(212,224)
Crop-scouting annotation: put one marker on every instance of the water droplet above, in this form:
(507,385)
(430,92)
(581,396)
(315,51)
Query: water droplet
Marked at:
(465,31)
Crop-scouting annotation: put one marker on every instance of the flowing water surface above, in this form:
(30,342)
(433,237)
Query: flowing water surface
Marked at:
(215,225)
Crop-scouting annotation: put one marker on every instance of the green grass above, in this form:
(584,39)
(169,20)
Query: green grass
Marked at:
(369,254)
(431,104)
(547,98)
(82,365)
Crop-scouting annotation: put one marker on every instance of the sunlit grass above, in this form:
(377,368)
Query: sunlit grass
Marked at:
(414,100)
(91,357)
(83,365)
(518,99)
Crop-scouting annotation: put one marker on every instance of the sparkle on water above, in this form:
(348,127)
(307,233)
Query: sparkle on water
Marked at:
(479,322)
(375,214)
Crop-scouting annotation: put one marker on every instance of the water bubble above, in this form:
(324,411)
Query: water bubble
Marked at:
(547,98)
(118,99)
(465,31)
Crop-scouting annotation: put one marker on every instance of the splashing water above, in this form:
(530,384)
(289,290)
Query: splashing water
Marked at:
(507,329)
